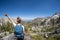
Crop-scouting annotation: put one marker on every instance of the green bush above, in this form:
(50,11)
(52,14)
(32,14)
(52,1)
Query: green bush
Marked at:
(7,27)
(27,27)
(55,37)
(37,37)
(51,38)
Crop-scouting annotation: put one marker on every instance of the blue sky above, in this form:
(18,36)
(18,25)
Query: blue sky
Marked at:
(29,9)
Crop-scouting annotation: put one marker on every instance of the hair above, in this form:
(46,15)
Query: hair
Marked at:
(18,20)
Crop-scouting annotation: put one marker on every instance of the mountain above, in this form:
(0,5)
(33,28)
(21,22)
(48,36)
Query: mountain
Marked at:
(53,20)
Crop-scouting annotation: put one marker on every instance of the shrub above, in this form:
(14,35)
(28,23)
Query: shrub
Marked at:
(37,37)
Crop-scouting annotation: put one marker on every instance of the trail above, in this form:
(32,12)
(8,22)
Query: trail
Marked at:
(12,37)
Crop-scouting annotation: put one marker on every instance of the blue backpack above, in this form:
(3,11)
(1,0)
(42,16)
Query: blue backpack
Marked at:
(18,31)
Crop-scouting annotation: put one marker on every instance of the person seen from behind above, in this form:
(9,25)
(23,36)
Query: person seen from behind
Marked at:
(18,28)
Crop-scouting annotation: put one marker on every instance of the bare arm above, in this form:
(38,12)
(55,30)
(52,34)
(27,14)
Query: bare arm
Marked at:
(23,30)
(10,19)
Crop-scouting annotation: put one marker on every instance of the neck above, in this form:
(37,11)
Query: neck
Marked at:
(17,23)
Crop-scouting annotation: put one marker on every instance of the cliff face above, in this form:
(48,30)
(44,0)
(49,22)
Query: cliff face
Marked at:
(53,20)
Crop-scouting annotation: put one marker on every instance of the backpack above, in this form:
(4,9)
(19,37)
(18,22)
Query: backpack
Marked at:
(18,31)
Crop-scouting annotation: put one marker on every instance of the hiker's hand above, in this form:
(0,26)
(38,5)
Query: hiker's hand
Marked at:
(6,14)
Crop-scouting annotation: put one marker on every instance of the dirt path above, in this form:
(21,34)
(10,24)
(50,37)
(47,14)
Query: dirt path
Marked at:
(12,37)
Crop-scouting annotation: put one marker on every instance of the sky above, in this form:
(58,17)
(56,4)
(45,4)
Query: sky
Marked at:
(29,9)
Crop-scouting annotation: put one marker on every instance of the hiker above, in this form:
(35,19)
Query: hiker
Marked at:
(18,28)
